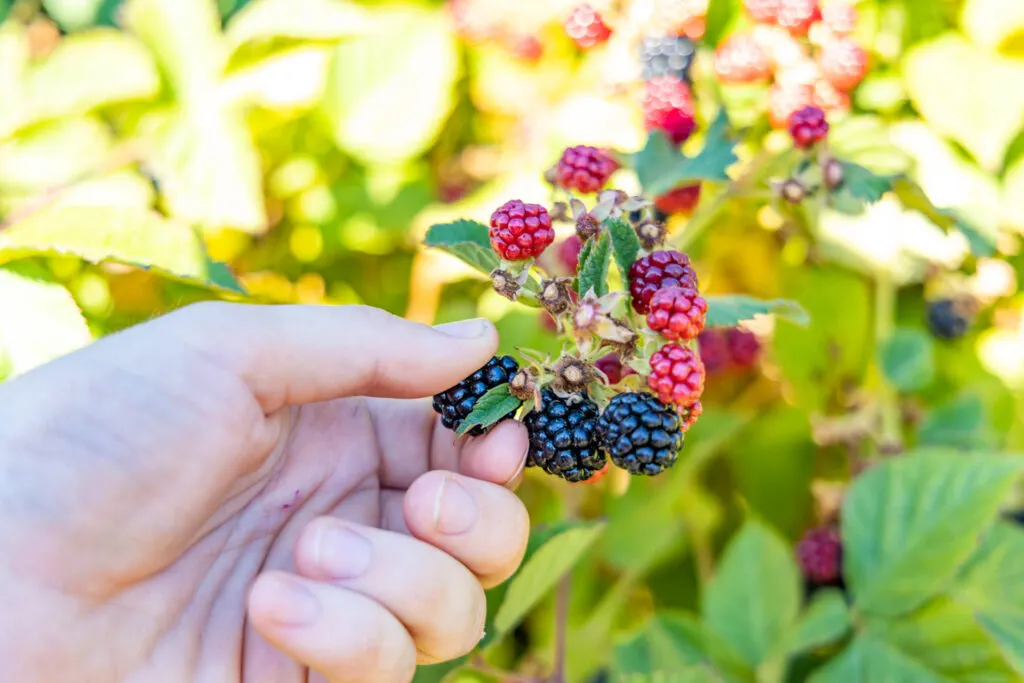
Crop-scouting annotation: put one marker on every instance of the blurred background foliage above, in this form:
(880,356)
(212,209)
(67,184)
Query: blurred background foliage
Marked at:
(158,152)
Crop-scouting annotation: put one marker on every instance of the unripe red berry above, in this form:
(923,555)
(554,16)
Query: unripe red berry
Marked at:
(586,27)
(677,313)
(677,375)
(681,200)
(584,169)
(658,270)
(740,59)
(844,62)
(520,231)
(808,126)
(820,556)
(668,107)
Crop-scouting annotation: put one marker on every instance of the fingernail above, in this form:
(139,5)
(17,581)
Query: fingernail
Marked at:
(513,481)
(454,509)
(465,329)
(341,552)
(291,603)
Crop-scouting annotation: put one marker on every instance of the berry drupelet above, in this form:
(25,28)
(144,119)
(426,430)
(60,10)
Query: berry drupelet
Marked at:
(668,107)
(455,404)
(666,56)
(658,270)
(520,231)
(642,434)
(564,438)
(808,126)
(584,169)
(677,375)
(677,313)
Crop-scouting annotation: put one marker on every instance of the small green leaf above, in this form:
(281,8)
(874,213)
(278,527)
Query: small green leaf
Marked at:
(543,571)
(907,359)
(136,237)
(39,319)
(463,230)
(730,310)
(675,644)
(593,273)
(860,188)
(755,595)
(909,523)
(992,585)
(660,166)
(625,244)
(490,408)
(960,423)
(871,660)
(826,620)
(982,242)
(465,240)
(297,20)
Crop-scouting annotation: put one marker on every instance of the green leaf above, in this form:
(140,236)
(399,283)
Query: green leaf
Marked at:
(134,237)
(909,523)
(593,273)
(39,319)
(960,423)
(991,584)
(660,166)
(458,232)
(983,112)
(490,408)
(870,660)
(87,71)
(438,673)
(982,242)
(625,244)
(860,188)
(826,620)
(543,571)
(722,15)
(465,240)
(55,153)
(208,167)
(730,310)
(907,359)
(408,63)
(296,19)
(755,595)
(185,38)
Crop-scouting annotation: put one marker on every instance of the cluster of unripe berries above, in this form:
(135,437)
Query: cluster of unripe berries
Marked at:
(803,48)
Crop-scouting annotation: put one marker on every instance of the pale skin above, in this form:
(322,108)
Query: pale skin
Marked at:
(252,494)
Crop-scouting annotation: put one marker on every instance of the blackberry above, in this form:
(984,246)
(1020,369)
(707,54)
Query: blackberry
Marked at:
(949,319)
(457,403)
(564,439)
(642,434)
(667,56)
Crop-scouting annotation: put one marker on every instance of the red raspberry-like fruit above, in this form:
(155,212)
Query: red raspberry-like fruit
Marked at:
(584,169)
(680,200)
(840,17)
(808,126)
(796,16)
(740,59)
(668,107)
(520,231)
(820,555)
(783,100)
(677,375)
(586,27)
(714,349)
(677,313)
(744,347)
(569,252)
(658,270)
(844,62)
(830,98)
(763,11)
(613,368)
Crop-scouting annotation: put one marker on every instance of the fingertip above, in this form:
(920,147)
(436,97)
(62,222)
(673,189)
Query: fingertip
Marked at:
(499,456)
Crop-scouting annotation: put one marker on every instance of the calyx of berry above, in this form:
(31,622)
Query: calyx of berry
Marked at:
(555,296)
(572,375)
(505,284)
(651,233)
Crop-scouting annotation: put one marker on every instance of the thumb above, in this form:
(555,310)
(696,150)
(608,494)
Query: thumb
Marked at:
(290,355)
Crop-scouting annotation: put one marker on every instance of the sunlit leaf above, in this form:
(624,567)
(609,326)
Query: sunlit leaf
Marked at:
(490,409)
(297,19)
(39,319)
(730,310)
(625,244)
(660,166)
(826,620)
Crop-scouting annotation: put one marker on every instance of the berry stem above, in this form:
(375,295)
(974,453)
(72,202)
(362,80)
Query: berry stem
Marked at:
(888,399)
(561,627)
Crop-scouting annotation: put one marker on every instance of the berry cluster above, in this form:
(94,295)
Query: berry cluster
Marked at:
(585,407)
(728,348)
(803,48)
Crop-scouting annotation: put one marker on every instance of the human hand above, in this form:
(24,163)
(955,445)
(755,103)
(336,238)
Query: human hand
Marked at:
(209,497)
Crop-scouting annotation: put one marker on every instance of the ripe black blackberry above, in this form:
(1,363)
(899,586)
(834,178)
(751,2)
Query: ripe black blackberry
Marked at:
(949,318)
(564,438)
(642,434)
(666,56)
(457,403)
